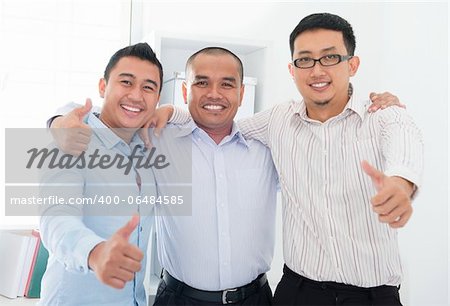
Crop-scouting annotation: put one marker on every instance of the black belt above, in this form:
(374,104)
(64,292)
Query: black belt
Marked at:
(228,296)
(384,290)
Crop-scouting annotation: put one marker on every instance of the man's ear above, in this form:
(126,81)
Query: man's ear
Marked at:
(102,87)
(184,90)
(353,65)
(291,69)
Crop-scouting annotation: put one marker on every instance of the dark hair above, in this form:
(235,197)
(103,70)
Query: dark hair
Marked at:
(142,51)
(218,51)
(325,21)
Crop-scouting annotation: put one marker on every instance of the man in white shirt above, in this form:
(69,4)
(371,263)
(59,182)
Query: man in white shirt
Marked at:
(340,214)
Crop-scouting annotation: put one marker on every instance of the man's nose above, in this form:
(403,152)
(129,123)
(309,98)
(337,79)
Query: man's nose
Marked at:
(317,69)
(135,94)
(214,92)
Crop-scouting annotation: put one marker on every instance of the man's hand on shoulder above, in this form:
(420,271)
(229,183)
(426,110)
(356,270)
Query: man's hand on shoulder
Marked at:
(383,100)
(71,134)
(158,121)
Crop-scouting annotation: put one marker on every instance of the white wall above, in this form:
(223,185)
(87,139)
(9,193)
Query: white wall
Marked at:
(404,50)
(52,52)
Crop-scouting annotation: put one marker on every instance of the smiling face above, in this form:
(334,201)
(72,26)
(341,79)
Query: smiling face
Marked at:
(130,94)
(213,91)
(324,89)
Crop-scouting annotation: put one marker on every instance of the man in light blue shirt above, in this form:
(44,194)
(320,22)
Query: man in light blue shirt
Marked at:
(96,257)
(228,240)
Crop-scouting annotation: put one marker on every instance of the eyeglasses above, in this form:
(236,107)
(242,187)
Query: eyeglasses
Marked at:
(326,60)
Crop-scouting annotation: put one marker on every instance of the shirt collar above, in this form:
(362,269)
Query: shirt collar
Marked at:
(107,137)
(354,104)
(186,129)
(236,133)
(191,127)
(299,108)
(358,106)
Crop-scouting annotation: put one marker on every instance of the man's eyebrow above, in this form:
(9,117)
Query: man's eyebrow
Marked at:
(126,74)
(328,49)
(204,77)
(200,77)
(130,75)
(231,79)
(152,82)
(322,51)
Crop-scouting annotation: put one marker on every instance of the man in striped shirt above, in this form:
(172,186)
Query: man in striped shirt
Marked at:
(340,213)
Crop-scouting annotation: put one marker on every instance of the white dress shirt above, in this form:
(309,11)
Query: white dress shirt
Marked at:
(330,232)
(228,238)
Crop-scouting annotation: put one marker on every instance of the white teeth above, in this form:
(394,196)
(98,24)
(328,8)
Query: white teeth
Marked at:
(213,107)
(319,85)
(131,109)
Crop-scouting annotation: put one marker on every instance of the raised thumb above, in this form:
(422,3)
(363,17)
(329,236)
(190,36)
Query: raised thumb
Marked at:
(376,175)
(131,225)
(85,109)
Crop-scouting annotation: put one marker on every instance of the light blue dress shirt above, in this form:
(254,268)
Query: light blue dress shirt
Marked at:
(228,239)
(71,233)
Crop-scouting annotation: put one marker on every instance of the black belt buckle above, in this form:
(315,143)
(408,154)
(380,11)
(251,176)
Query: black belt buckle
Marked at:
(225,299)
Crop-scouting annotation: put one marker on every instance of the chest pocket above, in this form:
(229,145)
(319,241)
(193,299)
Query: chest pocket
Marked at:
(360,149)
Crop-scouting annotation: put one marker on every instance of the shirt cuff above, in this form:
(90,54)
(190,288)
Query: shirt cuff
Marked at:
(179,116)
(82,251)
(50,121)
(408,175)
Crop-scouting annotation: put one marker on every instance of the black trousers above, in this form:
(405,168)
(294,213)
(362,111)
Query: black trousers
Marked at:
(167,297)
(295,289)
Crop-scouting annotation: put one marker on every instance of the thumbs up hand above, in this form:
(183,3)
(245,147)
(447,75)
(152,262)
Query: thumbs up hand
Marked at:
(392,203)
(116,260)
(70,132)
